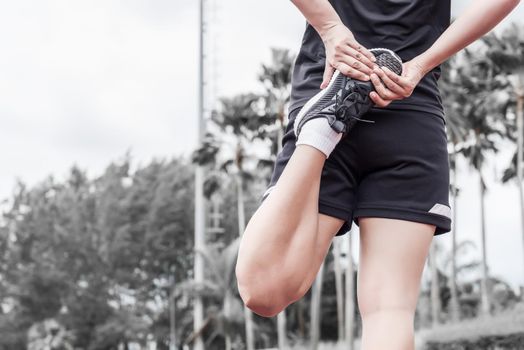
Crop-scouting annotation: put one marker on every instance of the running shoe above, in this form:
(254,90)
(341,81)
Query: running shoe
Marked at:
(345,100)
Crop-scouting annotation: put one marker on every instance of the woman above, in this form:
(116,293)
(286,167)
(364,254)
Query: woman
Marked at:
(391,177)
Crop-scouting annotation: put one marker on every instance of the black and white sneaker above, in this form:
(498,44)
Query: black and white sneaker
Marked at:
(345,100)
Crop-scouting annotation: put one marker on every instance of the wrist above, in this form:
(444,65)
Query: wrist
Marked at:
(425,62)
(325,28)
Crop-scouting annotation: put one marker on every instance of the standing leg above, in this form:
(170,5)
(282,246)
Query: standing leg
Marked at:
(392,257)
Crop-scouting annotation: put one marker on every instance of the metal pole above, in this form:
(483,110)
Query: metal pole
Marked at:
(198,317)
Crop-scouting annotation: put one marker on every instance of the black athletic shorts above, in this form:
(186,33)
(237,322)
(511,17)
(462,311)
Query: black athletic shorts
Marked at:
(396,167)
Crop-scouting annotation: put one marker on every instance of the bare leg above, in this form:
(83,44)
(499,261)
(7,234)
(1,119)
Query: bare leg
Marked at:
(286,240)
(392,257)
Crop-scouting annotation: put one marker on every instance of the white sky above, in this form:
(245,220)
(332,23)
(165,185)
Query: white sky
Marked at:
(82,82)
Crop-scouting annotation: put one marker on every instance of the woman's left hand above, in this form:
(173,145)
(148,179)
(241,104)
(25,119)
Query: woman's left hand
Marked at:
(390,86)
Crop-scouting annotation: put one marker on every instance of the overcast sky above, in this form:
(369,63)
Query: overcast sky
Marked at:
(82,82)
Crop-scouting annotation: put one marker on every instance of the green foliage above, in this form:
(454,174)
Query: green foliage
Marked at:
(96,254)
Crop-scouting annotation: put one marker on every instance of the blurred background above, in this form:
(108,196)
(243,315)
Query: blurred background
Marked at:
(132,157)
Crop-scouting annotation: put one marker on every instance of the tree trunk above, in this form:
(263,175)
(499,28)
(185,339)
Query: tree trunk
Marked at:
(454,304)
(172,313)
(250,336)
(435,292)
(281,330)
(350,296)
(301,319)
(339,289)
(227,315)
(520,150)
(485,300)
(316,296)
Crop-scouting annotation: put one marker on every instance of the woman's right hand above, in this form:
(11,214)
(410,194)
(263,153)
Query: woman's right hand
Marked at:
(345,54)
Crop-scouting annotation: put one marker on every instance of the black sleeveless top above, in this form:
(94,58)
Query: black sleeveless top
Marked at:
(408,27)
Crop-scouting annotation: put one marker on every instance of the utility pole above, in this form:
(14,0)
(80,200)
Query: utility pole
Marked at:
(198,312)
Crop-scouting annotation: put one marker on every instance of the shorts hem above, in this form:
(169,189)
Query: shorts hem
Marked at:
(442,223)
(334,210)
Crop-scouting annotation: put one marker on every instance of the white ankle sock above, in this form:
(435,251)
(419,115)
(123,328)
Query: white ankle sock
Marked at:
(318,134)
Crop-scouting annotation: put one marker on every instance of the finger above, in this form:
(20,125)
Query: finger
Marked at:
(348,50)
(328,73)
(359,48)
(379,101)
(401,81)
(380,88)
(351,72)
(354,63)
(388,82)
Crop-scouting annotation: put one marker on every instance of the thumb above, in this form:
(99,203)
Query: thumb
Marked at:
(328,73)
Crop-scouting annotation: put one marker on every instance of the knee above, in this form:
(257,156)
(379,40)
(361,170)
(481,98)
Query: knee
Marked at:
(377,301)
(261,302)
(265,296)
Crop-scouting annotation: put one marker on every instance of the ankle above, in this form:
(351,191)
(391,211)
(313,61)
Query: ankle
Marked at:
(318,133)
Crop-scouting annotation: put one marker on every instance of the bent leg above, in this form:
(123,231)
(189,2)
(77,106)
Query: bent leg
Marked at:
(287,239)
(392,257)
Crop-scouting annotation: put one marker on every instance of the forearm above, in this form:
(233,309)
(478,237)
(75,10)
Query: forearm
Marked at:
(477,20)
(319,13)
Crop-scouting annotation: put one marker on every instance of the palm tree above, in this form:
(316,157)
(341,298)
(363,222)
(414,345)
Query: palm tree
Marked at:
(276,78)
(448,259)
(234,127)
(456,129)
(220,285)
(476,99)
(507,53)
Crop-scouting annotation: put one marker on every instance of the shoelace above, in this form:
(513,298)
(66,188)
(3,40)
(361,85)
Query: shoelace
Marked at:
(355,99)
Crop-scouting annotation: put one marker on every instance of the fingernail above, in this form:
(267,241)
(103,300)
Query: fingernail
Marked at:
(375,67)
(384,68)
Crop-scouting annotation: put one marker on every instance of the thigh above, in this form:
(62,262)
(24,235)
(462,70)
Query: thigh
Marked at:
(338,181)
(328,227)
(392,257)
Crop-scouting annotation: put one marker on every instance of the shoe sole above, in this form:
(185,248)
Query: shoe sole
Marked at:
(324,95)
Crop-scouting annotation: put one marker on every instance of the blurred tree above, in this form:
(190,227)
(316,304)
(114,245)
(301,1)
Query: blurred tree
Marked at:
(506,51)
(94,254)
(478,106)
(276,78)
(457,131)
(220,288)
(235,126)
